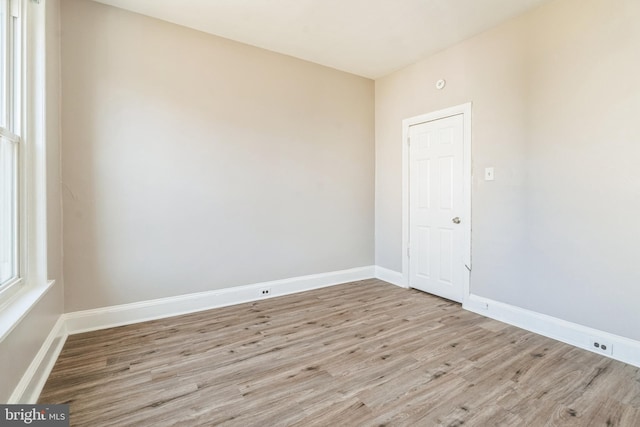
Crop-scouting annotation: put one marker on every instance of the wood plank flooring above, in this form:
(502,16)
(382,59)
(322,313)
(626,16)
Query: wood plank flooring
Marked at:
(360,354)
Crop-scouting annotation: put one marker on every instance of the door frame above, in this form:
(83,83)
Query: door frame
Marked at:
(465,111)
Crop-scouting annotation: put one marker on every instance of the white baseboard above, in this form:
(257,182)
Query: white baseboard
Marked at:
(32,382)
(126,314)
(28,389)
(623,349)
(390,276)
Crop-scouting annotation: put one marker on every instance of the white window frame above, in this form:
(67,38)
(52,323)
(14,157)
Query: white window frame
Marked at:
(17,299)
(12,65)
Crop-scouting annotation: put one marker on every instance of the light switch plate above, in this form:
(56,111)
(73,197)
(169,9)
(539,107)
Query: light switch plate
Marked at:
(488,174)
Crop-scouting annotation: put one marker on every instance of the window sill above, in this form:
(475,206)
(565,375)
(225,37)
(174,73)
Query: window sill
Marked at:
(20,305)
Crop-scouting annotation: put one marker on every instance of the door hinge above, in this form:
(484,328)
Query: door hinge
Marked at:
(408,252)
(408,140)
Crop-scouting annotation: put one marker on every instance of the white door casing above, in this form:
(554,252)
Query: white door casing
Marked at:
(436,202)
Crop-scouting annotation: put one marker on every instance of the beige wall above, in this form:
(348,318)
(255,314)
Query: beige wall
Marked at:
(556,97)
(20,347)
(193,163)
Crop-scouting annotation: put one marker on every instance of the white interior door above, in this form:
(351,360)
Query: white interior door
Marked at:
(436,207)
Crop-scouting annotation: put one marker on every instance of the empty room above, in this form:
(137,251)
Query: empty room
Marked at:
(306,212)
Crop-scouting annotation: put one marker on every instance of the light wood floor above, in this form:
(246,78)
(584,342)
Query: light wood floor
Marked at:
(359,354)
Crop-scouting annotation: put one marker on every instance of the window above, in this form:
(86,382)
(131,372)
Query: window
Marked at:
(10,143)
(23,181)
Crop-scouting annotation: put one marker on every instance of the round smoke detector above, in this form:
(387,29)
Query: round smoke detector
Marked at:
(440,84)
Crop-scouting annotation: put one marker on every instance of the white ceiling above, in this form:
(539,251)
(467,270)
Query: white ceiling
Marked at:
(370,38)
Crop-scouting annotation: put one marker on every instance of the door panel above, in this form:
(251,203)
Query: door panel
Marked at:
(423,243)
(435,199)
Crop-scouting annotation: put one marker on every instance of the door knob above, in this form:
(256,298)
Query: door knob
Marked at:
(456,220)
